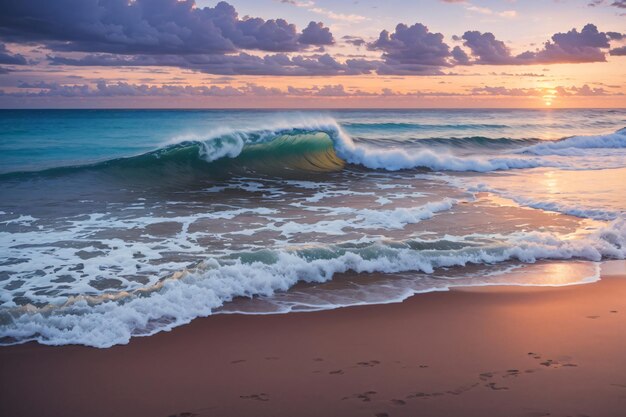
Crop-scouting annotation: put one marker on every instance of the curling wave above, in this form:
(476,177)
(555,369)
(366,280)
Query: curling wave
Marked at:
(323,146)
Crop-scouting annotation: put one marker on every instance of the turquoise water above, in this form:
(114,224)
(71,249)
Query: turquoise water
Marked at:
(38,139)
(119,223)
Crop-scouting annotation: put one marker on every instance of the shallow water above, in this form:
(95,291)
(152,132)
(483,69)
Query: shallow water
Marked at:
(122,223)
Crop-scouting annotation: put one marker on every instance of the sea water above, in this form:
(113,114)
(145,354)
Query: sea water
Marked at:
(122,223)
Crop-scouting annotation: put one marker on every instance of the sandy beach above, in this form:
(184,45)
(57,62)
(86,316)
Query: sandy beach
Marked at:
(490,351)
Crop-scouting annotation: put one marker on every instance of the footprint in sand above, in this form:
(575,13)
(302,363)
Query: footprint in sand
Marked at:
(238,361)
(424,395)
(486,376)
(593,317)
(511,373)
(495,387)
(368,363)
(550,363)
(318,359)
(337,372)
(396,401)
(464,388)
(183,414)
(364,396)
(258,397)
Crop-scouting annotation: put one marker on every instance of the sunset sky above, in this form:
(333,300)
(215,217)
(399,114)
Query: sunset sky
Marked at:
(312,53)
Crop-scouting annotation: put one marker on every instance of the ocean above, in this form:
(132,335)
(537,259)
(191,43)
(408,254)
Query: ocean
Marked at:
(124,223)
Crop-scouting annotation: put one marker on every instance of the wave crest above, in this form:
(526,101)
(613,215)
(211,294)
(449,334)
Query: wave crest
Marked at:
(322,145)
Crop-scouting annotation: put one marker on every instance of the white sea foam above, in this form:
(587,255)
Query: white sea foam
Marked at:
(230,143)
(578,145)
(596,194)
(556,206)
(198,292)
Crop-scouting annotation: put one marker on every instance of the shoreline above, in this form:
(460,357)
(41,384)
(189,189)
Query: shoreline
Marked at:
(473,351)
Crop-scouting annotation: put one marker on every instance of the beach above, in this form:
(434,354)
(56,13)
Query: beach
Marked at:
(312,208)
(480,351)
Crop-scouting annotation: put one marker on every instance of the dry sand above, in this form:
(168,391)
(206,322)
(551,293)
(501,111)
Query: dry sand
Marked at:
(501,351)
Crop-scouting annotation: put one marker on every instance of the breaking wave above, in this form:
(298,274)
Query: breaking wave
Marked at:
(324,146)
(198,291)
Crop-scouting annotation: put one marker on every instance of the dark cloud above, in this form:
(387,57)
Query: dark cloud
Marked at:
(588,45)
(241,64)
(144,27)
(316,34)
(486,48)
(621,51)
(412,49)
(6,57)
(460,56)
(573,47)
(413,45)
(354,40)
(216,40)
(615,36)
(616,3)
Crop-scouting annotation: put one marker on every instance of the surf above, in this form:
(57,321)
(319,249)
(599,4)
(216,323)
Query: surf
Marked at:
(303,147)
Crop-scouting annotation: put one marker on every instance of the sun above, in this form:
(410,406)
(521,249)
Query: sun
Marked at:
(549,96)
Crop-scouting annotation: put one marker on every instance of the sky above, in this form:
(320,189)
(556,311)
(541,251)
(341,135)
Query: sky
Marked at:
(312,54)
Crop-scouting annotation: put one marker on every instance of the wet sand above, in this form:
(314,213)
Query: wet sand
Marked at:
(492,351)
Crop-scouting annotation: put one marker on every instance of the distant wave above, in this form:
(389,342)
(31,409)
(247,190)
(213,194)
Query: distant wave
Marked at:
(420,126)
(576,145)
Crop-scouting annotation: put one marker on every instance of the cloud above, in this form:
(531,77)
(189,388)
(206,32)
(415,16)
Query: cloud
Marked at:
(8,58)
(122,89)
(558,91)
(588,45)
(241,64)
(481,9)
(354,40)
(144,27)
(311,7)
(103,88)
(316,34)
(621,51)
(486,48)
(460,56)
(412,49)
(488,11)
(621,4)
